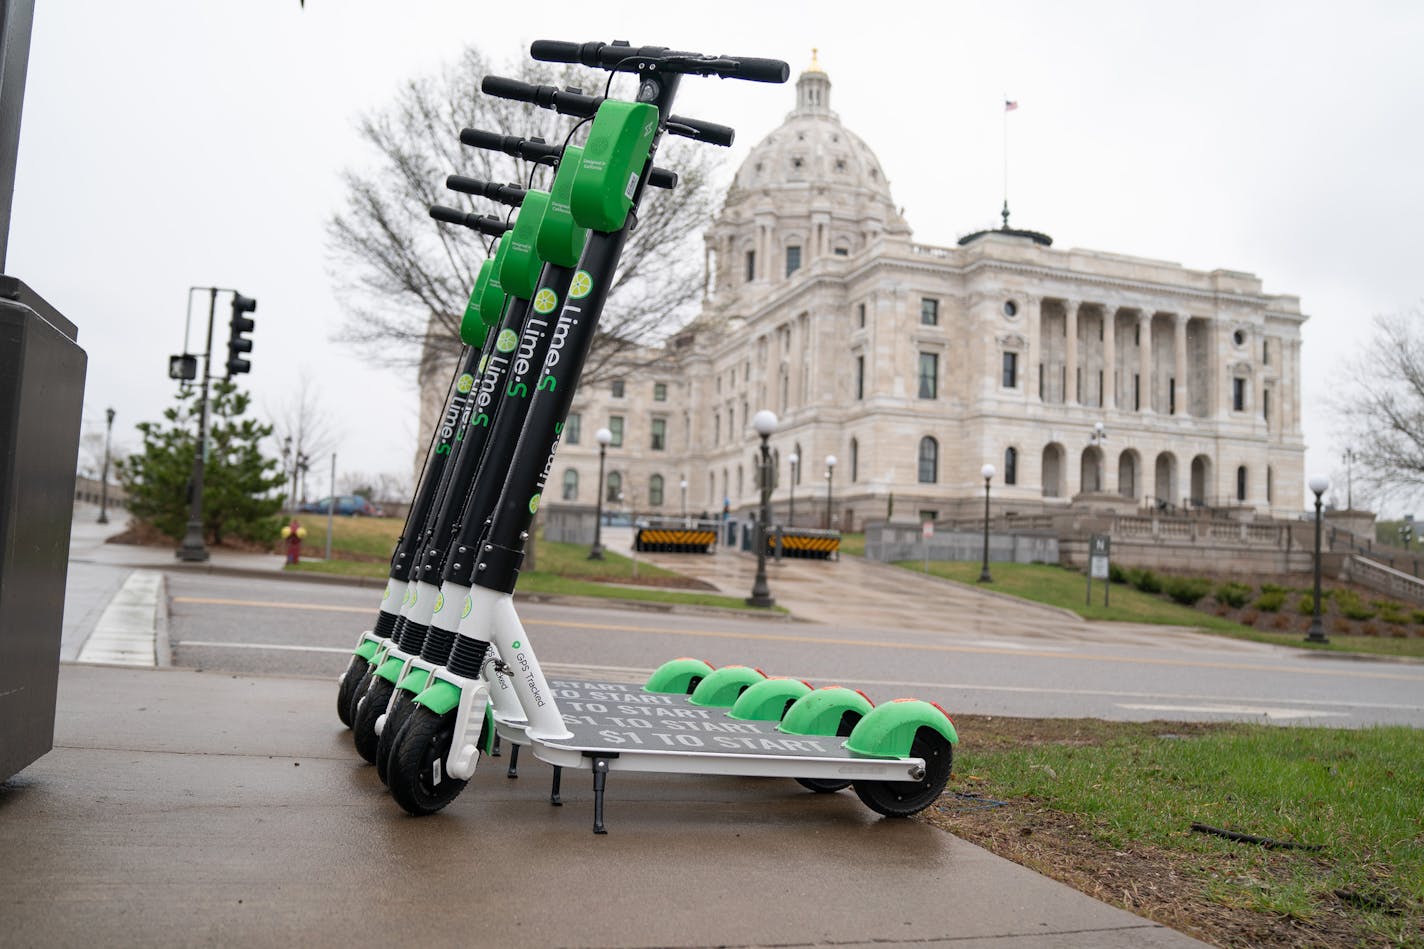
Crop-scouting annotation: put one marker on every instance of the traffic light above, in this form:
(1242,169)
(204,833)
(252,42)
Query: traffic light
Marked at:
(237,344)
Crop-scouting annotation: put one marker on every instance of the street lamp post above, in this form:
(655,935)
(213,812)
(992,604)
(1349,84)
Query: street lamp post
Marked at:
(987,473)
(193,548)
(795,460)
(1349,459)
(603,436)
(104,481)
(765,423)
(1318,485)
(830,479)
(683,485)
(1097,439)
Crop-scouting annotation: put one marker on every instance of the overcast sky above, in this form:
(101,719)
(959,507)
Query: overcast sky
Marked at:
(171,144)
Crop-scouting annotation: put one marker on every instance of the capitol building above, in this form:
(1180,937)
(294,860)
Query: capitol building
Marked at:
(913,366)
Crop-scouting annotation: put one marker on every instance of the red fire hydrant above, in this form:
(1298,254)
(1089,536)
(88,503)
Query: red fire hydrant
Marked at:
(293,534)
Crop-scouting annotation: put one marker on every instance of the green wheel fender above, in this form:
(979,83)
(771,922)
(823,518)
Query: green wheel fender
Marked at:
(678,676)
(367,649)
(821,711)
(723,687)
(768,700)
(440,697)
(415,680)
(391,669)
(889,731)
(487,730)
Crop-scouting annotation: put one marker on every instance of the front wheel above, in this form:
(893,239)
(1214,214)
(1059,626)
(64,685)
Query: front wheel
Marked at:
(371,707)
(822,785)
(903,798)
(417,775)
(400,710)
(349,680)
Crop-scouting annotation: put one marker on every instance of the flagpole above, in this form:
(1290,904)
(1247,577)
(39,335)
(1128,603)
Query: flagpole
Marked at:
(1006,160)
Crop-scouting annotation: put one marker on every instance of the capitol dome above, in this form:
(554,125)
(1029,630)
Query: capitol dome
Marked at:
(812,188)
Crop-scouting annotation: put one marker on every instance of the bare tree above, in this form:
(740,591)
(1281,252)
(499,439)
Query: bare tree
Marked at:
(408,278)
(1381,407)
(381,487)
(303,431)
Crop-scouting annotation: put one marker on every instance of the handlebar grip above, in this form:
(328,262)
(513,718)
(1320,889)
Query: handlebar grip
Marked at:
(489,226)
(504,194)
(662,178)
(534,151)
(756,69)
(556,51)
(700,131)
(506,88)
(479,138)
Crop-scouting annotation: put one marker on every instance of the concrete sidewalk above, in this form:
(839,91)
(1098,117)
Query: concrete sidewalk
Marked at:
(187,808)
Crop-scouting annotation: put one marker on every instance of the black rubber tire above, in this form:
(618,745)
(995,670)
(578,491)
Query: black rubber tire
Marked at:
(395,719)
(354,671)
(359,690)
(822,785)
(903,798)
(372,707)
(417,769)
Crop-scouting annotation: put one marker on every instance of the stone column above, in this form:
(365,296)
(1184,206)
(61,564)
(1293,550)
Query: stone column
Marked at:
(1144,358)
(1179,351)
(1109,356)
(1033,320)
(1070,352)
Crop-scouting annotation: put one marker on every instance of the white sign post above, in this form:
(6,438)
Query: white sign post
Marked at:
(926,535)
(1098,549)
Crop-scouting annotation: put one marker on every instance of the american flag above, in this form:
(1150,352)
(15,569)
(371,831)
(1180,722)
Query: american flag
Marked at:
(1010,105)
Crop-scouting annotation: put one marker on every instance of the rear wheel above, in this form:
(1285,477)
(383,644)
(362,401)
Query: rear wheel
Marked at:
(903,798)
(400,710)
(372,706)
(349,680)
(822,785)
(417,775)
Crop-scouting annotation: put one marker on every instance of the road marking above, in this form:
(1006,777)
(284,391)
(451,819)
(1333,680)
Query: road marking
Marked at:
(876,644)
(125,632)
(284,646)
(1256,711)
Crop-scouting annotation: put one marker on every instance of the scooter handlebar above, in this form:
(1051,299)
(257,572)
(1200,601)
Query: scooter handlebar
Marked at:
(486,225)
(662,178)
(624,58)
(539,152)
(546,97)
(700,131)
(511,195)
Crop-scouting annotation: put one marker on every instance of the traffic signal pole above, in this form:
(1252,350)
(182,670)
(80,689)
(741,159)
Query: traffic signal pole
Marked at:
(193,548)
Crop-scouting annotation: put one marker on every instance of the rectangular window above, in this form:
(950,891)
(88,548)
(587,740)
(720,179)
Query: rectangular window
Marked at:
(572,424)
(929,375)
(860,377)
(793,260)
(1266,352)
(1238,395)
(751,266)
(615,425)
(929,312)
(1011,370)
(860,315)
(659,391)
(659,441)
(841,251)
(1266,406)
(617,388)
(1171,396)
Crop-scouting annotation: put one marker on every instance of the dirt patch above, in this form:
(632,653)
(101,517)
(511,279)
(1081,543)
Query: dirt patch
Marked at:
(1167,887)
(141,534)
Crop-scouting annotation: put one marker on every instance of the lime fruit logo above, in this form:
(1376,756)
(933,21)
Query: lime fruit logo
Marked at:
(465,383)
(387,595)
(439,602)
(534,504)
(516,644)
(507,340)
(469,603)
(545,301)
(581,285)
(484,361)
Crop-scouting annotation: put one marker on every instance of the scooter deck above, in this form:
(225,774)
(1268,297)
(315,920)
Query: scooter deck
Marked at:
(635,730)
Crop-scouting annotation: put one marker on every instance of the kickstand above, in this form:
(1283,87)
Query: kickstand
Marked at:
(600,777)
(554,798)
(494,748)
(513,771)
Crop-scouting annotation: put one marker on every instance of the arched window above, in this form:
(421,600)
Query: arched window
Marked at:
(614,486)
(929,460)
(1011,465)
(854,460)
(1241,483)
(570,484)
(655,491)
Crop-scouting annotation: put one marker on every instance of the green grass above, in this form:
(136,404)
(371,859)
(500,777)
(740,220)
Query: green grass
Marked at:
(853,544)
(1356,793)
(1066,588)
(356,536)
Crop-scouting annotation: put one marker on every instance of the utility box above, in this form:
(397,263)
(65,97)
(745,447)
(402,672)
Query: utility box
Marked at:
(41,401)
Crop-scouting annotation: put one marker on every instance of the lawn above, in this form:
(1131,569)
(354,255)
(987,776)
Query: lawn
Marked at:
(1067,588)
(1109,807)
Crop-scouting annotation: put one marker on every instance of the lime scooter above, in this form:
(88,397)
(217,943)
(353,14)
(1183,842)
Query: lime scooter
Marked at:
(444,442)
(899,755)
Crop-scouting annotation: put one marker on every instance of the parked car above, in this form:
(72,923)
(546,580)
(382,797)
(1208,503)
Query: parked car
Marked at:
(347,505)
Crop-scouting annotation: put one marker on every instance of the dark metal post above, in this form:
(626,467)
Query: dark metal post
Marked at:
(761,593)
(1317,628)
(604,436)
(104,481)
(795,460)
(988,472)
(830,480)
(193,547)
